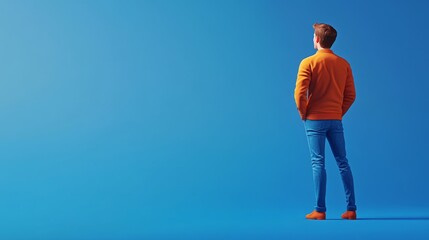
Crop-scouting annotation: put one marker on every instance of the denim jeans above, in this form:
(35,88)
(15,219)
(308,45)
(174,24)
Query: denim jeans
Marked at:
(317,131)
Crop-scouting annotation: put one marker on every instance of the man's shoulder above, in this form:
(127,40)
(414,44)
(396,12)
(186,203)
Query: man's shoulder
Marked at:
(339,58)
(308,59)
(332,57)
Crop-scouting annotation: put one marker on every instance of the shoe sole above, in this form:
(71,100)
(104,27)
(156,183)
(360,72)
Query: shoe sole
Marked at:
(316,218)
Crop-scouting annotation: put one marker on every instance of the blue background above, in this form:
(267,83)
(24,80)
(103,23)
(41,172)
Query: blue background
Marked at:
(176,119)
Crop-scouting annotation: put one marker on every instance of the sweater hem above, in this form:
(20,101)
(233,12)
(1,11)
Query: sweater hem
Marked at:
(323,117)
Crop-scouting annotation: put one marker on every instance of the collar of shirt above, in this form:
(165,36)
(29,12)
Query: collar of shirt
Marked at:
(325,50)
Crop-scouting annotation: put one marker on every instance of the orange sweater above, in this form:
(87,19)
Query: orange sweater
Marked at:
(324,86)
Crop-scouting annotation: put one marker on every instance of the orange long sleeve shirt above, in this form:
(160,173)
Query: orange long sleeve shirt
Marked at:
(324,87)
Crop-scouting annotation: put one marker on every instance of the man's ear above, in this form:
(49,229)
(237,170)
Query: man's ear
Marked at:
(317,39)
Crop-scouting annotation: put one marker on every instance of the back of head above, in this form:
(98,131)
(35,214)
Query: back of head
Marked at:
(326,33)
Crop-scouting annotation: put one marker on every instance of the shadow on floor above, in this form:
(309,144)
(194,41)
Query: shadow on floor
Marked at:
(386,218)
(394,218)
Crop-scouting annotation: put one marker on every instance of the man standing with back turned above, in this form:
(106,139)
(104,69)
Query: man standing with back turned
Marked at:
(324,92)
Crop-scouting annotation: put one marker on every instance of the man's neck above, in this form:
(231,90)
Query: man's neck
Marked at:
(321,48)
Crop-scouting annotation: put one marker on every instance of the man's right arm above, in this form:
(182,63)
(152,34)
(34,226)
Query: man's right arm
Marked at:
(349,92)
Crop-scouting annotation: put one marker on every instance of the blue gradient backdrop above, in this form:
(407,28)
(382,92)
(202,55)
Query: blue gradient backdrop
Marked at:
(176,119)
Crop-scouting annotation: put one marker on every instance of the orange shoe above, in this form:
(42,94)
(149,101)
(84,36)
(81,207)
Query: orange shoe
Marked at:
(350,215)
(316,215)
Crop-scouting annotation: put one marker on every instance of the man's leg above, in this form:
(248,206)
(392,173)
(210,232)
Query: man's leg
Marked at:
(335,136)
(316,135)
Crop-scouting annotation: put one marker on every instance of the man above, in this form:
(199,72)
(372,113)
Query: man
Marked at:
(324,92)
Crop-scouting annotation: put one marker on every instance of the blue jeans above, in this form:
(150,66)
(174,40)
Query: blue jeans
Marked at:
(317,131)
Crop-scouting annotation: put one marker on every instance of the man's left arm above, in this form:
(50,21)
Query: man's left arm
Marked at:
(301,88)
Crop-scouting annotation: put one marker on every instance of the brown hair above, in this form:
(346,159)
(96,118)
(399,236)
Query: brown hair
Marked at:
(326,33)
